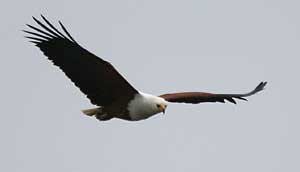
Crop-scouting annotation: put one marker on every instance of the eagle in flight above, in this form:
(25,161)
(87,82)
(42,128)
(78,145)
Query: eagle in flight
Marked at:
(104,85)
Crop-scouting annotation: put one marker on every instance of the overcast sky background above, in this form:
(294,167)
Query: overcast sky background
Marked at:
(159,46)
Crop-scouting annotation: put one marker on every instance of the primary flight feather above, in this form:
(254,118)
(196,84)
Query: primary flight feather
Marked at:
(104,85)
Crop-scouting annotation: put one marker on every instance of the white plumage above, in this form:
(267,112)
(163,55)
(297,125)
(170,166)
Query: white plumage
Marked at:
(144,105)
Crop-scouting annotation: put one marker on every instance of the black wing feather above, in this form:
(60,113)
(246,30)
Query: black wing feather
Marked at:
(57,31)
(97,78)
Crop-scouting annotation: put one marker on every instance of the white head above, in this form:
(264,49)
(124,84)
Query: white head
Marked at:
(159,104)
(146,105)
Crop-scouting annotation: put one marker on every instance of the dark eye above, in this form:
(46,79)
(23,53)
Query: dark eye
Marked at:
(158,105)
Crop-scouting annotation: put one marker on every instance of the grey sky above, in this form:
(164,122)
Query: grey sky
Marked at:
(160,46)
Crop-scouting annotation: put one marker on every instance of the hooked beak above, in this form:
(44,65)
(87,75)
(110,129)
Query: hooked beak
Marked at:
(163,109)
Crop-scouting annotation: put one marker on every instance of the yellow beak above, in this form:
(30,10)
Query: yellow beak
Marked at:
(163,109)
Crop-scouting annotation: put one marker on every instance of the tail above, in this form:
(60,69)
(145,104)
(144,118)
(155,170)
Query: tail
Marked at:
(91,112)
(97,112)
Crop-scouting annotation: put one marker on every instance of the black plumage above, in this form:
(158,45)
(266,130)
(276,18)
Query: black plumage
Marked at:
(95,77)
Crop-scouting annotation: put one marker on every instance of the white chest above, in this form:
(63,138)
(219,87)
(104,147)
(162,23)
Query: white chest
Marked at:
(142,106)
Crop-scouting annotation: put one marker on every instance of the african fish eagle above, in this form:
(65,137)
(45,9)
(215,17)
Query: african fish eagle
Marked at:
(104,85)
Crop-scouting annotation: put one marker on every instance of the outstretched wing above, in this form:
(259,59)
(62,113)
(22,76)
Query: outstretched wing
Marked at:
(96,78)
(199,97)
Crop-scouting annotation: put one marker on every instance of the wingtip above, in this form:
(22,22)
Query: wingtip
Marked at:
(231,100)
(258,88)
(261,86)
(242,98)
(34,18)
(28,25)
(43,17)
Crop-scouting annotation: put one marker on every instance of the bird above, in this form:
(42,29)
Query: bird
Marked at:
(103,85)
